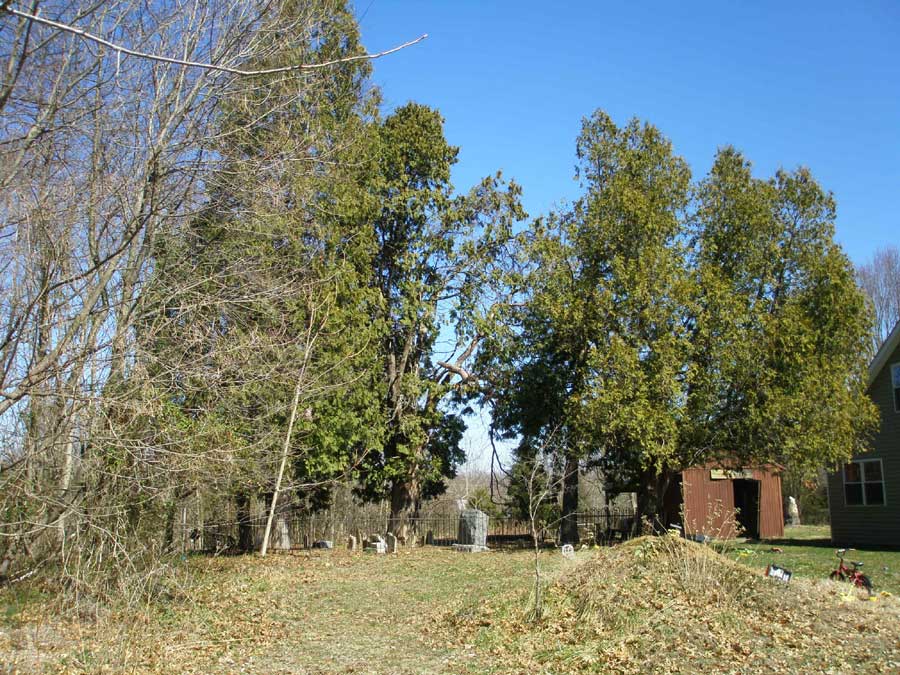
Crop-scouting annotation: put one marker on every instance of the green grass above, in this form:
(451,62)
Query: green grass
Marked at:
(808,553)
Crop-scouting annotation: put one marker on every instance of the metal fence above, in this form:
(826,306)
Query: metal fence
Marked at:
(291,530)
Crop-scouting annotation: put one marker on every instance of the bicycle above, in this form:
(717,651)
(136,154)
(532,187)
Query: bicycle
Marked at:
(854,575)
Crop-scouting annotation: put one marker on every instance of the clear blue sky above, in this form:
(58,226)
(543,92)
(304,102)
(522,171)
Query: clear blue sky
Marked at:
(788,83)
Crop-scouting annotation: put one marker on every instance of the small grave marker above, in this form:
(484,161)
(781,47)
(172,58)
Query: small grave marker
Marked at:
(776,572)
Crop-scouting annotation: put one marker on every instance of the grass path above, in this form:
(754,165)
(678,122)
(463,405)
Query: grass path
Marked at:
(322,612)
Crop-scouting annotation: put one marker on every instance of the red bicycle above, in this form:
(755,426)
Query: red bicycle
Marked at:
(854,575)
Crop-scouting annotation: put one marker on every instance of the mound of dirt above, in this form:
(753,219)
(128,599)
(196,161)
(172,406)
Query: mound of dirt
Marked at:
(667,605)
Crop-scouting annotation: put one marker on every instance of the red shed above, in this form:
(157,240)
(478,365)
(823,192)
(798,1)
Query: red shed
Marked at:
(709,494)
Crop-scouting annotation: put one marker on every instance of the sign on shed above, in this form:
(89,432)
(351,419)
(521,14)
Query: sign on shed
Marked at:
(730,474)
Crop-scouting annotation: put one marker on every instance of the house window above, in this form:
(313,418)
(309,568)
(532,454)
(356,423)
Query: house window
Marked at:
(864,483)
(895,382)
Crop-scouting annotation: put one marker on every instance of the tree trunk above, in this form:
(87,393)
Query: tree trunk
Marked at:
(651,497)
(169,529)
(663,481)
(569,525)
(643,502)
(401,500)
(245,530)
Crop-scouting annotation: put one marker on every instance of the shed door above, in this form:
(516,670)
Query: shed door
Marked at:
(746,502)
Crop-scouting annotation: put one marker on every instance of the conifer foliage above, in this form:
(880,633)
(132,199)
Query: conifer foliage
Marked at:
(665,323)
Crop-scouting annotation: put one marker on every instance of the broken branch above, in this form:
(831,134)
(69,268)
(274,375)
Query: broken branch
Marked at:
(197,64)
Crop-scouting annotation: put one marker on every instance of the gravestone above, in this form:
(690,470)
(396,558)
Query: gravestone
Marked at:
(351,543)
(377,547)
(391,543)
(568,551)
(793,511)
(429,538)
(284,536)
(472,534)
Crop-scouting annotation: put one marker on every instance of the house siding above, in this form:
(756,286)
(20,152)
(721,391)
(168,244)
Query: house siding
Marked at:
(873,525)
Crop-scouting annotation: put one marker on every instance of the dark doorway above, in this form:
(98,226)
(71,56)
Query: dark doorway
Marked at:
(746,502)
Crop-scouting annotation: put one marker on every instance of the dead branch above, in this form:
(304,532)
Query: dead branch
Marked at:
(197,64)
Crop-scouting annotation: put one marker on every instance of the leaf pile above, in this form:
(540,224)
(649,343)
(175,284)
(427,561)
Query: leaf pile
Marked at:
(666,605)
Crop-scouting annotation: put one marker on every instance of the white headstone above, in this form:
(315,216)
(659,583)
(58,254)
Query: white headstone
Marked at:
(793,511)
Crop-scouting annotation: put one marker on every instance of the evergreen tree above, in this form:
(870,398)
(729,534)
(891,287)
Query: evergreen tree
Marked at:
(267,290)
(781,330)
(657,333)
(600,345)
(436,267)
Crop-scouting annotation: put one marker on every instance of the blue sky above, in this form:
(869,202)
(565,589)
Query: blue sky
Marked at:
(788,83)
(798,83)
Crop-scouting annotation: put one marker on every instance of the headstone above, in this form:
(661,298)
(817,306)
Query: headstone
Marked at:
(391,543)
(472,535)
(377,547)
(568,551)
(429,538)
(793,511)
(284,536)
(473,525)
(376,538)
(351,543)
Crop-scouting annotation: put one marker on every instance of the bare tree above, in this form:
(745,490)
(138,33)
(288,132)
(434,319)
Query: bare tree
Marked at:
(101,153)
(880,279)
(543,479)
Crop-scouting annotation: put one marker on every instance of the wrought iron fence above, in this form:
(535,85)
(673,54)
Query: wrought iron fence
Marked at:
(299,531)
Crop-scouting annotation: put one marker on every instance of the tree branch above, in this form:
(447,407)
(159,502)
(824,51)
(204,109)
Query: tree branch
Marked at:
(457,370)
(197,64)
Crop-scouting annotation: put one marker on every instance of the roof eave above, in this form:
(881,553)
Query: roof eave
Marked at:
(884,353)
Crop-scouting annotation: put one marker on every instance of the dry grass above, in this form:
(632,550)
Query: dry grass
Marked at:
(654,605)
(666,605)
(320,612)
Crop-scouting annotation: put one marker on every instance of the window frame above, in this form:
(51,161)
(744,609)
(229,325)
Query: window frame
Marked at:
(862,482)
(894,373)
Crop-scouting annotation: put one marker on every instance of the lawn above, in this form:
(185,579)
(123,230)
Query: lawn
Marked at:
(655,605)
(807,552)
